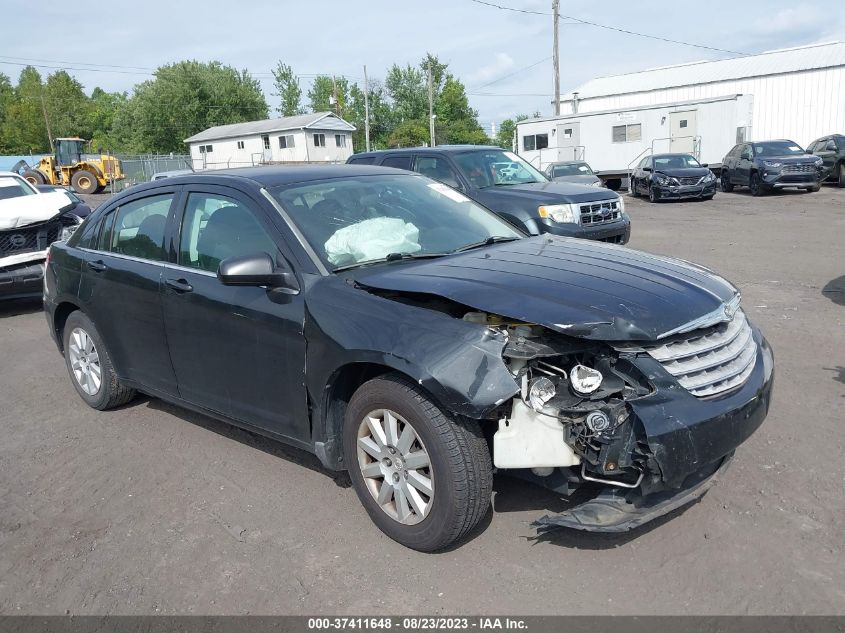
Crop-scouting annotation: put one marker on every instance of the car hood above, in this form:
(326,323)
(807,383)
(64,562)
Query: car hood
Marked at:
(547,192)
(576,287)
(25,210)
(791,159)
(685,172)
(580,179)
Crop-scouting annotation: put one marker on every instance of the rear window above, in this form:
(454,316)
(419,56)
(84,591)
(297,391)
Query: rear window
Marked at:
(399,162)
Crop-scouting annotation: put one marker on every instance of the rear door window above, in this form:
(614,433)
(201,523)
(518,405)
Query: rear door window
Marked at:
(139,227)
(363,160)
(399,162)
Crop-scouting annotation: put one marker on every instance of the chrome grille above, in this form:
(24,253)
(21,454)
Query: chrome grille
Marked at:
(600,212)
(798,169)
(692,180)
(712,360)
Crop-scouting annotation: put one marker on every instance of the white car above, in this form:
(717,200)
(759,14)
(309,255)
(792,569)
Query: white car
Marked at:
(30,221)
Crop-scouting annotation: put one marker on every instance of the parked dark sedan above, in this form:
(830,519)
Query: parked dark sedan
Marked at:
(766,165)
(506,184)
(402,332)
(831,150)
(77,204)
(672,177)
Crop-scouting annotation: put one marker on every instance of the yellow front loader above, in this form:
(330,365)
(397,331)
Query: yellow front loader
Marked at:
(69,169)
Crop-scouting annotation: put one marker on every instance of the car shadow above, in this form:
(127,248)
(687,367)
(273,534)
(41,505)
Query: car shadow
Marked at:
(18,307)
(270,446)
(835,290)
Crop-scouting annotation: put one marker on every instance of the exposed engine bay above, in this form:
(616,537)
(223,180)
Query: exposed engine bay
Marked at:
(571,409)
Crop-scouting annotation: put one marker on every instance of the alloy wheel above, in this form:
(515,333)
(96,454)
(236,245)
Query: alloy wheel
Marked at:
(85,361)
(396,466)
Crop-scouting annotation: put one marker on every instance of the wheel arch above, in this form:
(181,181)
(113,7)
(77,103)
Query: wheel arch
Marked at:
(60,316)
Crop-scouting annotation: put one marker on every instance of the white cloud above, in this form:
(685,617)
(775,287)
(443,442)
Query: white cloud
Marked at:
(501,64)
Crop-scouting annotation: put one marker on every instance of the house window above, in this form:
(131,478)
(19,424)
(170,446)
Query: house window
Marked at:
(627,133)
(683,123)
(240,144)
(535,141)
(286,141)
(567,133)
(319,140)
(206,149)
(340,140)
(266,139)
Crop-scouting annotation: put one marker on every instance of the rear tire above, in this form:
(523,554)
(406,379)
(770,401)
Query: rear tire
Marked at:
(842,175)
(84,181)
(34,177)
(90,367)
(391,467)
(725,180)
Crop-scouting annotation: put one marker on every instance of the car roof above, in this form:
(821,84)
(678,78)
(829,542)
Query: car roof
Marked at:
(569,162)
(774,140)
(438,148)
(668,154)
(274,175)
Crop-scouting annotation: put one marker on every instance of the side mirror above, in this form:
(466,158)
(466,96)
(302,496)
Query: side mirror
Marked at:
(257,269)
(705,165)
(646,168)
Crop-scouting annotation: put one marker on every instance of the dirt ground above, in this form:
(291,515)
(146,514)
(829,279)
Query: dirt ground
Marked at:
(154,510)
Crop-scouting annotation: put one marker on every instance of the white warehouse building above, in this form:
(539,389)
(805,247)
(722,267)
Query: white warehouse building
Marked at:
(701,107)
(321,137)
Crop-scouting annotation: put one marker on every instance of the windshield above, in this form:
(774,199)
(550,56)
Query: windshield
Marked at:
(571,169)
(12,187)
(495,167)
(350,221)
(777,148)
(675,161)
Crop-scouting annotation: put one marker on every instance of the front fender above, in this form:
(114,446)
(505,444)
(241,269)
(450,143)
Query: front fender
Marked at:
(459,363)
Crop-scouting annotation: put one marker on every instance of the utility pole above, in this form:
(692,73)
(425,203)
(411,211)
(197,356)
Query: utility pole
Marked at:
(336,102)
(430,105)
(47,122)
(366,108)
(556,54)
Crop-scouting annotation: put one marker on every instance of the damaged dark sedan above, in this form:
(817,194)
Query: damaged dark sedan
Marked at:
(402,332)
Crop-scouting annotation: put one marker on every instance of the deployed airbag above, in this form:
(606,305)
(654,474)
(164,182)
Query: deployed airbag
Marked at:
(372,239)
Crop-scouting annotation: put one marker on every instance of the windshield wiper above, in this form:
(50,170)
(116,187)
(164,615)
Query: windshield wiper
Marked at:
(488,242)
(390,257)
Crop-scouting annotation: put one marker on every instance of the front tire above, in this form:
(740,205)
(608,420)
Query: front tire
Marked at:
(632,189)
(83,181)
(34,177)
(90,367)
(652,195)
(725,180)
(813,189)
(842,175)
(423,475)
(755,185)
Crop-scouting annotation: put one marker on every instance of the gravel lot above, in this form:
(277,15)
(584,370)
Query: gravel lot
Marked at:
(152,509)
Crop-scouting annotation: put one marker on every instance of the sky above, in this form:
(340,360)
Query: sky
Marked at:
(503,57)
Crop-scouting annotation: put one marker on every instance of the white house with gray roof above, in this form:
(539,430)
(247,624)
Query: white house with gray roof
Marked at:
(321,137)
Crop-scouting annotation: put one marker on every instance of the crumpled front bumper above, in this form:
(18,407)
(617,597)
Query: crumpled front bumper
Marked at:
(692,441)
(19,279)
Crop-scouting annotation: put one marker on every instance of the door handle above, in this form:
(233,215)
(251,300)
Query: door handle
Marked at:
(179,285)
(97,266)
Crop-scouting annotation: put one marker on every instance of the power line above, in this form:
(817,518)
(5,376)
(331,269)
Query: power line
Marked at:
(611,28)
(516,72)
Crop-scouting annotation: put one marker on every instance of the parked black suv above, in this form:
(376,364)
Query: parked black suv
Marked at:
(672,177)
(415,339)
(506,184)
(766,165)
(831,149)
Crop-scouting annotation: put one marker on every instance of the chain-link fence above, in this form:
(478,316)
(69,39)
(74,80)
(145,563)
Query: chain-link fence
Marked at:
(141,168)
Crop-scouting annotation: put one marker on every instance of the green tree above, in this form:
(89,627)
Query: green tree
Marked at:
(322,94)
(105,108)
(381,116)
(288,90)
(504,137)
(67,105)
(185,98)
(23,129)
(409,134)
(407,90)
(7,98)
